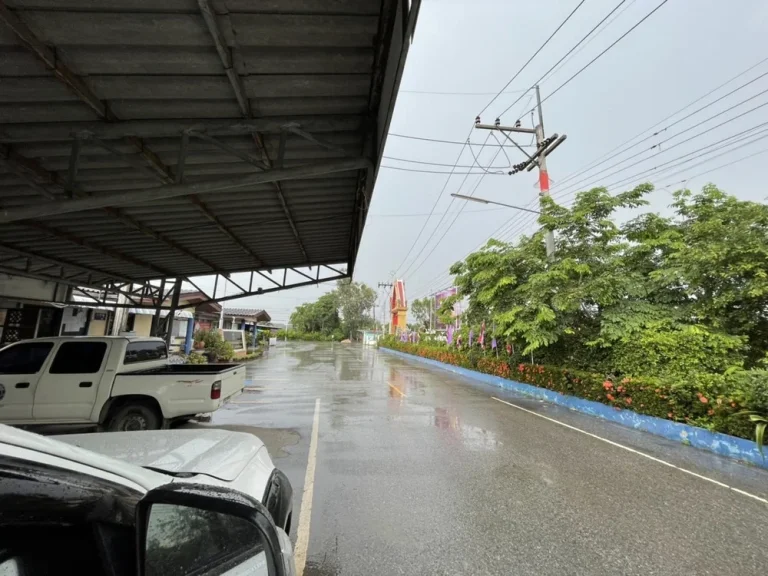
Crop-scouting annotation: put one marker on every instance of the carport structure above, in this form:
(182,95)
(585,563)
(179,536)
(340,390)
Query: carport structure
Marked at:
(144,143)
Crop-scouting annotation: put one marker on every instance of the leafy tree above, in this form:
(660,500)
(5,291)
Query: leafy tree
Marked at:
(320,316)
(661,296)
(421,310)
(355,300)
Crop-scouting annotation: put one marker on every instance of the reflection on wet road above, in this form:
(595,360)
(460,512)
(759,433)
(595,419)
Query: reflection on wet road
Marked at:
(421,472)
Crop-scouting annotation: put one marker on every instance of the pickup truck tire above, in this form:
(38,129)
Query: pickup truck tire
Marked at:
(134,417)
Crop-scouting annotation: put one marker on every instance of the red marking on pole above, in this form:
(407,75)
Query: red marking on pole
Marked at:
(543,182)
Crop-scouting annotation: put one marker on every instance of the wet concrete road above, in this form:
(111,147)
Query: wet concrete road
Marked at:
(422,472)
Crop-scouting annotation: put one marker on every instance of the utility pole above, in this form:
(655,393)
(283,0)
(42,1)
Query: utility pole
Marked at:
(544,147)
(543,174)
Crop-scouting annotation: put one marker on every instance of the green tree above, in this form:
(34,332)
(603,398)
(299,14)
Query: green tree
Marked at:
(355,301)
(421,310)
(655,295)
(320,316)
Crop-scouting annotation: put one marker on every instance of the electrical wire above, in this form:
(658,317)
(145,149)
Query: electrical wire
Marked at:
(439,196)
(588,42)
(596,58)
(570,177)
(458,93)
(563,23)
(450,172)
(445,141)
(607,156)
(436,163)
(709,130)
(763,151)
(479,181)
(566,55)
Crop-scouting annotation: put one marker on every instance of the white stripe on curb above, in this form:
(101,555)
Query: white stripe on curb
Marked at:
(302,533)
(628,449)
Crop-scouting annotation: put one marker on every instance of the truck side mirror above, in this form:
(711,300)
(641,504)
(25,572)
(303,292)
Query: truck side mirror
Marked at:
(199,529)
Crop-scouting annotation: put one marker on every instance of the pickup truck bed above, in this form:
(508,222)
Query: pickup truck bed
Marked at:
(186,389)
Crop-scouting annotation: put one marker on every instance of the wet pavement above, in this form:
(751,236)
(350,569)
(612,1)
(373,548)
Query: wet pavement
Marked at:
(419,471)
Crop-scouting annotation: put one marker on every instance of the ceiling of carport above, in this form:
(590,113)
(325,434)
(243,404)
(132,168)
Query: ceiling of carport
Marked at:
(95,99)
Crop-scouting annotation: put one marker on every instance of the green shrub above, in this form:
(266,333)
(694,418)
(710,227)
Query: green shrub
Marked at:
(196,359)
(711,401)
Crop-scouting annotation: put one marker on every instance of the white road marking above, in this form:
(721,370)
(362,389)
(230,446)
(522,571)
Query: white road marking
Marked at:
(396,389)
(628,449)
(302,533)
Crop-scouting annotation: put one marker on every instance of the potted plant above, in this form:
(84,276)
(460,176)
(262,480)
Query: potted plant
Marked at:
(199,339)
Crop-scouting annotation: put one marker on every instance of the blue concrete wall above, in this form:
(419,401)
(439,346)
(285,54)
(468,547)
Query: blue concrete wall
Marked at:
(722,444)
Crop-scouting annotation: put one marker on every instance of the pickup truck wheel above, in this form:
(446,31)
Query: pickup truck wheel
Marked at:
(134,417)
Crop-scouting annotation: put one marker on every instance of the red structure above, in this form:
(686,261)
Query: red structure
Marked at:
(398,307)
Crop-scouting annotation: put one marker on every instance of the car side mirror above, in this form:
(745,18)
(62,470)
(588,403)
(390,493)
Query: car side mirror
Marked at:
(199,529)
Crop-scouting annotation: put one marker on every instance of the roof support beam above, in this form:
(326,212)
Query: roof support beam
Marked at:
(45,278)
(237,87)
(126,198)
(52,179)
(103,250)
(4,247)
(48,57)
(221,226)
(64,131)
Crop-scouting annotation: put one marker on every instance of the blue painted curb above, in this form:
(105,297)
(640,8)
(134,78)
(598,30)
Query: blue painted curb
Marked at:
(722,444)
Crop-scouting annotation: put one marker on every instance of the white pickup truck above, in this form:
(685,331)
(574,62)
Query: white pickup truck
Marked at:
(116,383)
(167,503)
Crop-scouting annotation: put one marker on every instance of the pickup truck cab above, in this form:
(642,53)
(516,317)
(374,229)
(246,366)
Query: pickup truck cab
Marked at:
(172,502)
(118,383)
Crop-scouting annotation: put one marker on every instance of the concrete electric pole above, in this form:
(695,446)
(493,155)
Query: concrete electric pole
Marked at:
(544,147)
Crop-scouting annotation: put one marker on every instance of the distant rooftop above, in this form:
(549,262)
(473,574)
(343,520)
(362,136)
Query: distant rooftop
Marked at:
(256,313)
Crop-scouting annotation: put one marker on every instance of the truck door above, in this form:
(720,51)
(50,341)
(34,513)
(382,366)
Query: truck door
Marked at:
(67,390)
(20,368)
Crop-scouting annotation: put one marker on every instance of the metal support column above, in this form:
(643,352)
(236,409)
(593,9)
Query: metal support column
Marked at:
(172,312)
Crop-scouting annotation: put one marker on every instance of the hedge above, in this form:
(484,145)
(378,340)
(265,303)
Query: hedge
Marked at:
(710,401)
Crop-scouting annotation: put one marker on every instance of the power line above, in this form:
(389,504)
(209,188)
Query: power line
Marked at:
(588,42)
(763,151)
(684,118)
(563,23)
(596,58)
(704,132)
(458,93)
(566,54)
(437,163)
(477,185)
(439,196)
(602,159)
(434,231)
(445,141)
(434,214)
(450,172)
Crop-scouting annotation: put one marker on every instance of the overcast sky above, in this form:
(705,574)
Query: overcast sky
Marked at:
(681,52)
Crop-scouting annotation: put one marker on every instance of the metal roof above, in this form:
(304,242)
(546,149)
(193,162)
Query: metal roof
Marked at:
(144,139)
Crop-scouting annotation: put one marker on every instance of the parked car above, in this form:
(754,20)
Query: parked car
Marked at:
(167,503)
(119,383)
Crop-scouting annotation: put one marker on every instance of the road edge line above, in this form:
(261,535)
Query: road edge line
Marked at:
(628,449)
(305,515)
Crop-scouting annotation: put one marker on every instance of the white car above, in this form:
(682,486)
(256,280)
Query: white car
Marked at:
(166,503)
(118,383)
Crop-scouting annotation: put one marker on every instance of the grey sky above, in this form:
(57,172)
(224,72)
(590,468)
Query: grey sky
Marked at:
(680,53)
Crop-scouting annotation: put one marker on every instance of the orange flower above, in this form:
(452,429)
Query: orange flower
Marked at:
(610,397)
(711,412)
(628,401)
(607,384)
(621,388)
(703,400)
